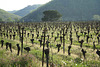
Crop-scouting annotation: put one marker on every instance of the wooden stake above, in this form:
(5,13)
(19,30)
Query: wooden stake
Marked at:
(63,42)
(22,42)
(43,48)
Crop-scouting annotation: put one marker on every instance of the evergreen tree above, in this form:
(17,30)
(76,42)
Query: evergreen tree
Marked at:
(51,15)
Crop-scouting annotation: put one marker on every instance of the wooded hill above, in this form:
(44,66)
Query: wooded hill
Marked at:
(12,11)
(8,17)
(23,12)
(71,10)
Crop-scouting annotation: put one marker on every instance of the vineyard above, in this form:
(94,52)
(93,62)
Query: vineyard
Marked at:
(50,44)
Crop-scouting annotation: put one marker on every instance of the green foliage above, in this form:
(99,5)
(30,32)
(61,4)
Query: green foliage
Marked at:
(20,61)
(92,63)
(78,60)
(71,10)
(23,12)
(37,53)
(7,17)
(59,59)
(1,20)
(1,53)
(12,11)
(51,15)
(96,17)
(9,20)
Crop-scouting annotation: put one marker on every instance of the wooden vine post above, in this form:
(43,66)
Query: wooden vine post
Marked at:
(19,32)
(47,56)
(63,41)
(22,42)
(44,32)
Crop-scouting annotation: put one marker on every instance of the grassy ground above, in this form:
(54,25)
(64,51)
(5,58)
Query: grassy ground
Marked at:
(57,58)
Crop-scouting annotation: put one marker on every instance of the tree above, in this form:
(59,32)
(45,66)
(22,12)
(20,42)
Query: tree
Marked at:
(96,17)
(51,15)
(9,19)
(16,19)
(1,20)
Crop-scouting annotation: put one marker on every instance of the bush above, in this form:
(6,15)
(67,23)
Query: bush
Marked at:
(78,60)
(21,61)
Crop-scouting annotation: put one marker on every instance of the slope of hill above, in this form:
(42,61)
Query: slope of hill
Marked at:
(71,10)
(27,10)
(12,11)
(8,17)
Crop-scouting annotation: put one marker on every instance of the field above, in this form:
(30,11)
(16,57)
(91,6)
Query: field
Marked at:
(70,44)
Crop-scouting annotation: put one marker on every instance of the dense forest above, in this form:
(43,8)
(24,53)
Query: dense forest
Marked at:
(71,10)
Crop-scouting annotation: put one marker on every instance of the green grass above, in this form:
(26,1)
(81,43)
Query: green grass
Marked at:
(19,61)
(59,59)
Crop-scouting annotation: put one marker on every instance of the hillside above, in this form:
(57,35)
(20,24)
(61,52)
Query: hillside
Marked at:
(71,10)
(27,10)
(12,11)
(8,17)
